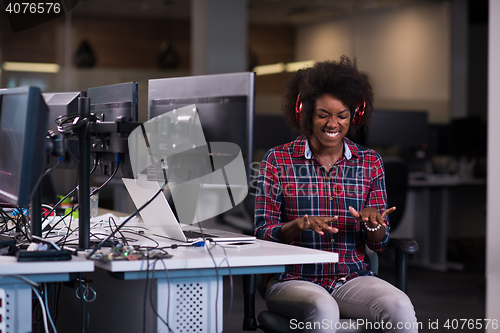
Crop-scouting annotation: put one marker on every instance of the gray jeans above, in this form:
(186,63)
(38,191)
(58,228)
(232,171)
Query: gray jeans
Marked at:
(367,299)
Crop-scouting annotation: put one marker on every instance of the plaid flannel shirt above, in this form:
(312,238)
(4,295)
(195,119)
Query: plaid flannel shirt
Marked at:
(292,183)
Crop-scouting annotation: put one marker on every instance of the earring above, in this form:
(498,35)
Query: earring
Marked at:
(298,109)
(358,113)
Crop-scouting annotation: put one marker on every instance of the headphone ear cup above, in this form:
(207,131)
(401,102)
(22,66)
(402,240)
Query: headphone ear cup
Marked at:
(298,109)
(358,113)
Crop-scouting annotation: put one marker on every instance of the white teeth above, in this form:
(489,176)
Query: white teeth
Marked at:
(332,135)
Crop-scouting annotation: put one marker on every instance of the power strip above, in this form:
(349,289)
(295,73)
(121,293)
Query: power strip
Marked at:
(3,305)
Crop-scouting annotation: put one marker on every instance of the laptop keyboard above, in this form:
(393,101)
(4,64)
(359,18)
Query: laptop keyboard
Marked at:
(196,234)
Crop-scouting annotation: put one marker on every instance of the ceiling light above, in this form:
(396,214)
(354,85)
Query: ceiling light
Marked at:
(295,66)
(281,67)
(269,69)
(30,67)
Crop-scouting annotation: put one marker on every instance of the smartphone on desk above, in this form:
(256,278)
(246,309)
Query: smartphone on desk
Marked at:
(238,245)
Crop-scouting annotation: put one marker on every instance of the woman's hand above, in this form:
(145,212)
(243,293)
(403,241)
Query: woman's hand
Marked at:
(373,219)
(319,224)
(371,216)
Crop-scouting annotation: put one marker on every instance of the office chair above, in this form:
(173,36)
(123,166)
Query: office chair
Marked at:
(396,183)
(396,186)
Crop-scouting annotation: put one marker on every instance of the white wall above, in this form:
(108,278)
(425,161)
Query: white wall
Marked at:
(405,52)
(493,223)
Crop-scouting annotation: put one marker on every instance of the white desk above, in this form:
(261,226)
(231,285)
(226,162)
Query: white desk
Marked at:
(193,290)
(16,294)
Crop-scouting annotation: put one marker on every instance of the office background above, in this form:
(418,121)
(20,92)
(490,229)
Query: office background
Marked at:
(418,55)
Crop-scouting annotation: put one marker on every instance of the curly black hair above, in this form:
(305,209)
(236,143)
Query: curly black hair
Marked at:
(341,79)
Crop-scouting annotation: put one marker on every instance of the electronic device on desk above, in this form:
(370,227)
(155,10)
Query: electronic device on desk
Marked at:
(130,253)
(115,105)
(63,104)
(225,104)
(161,221)
(109,114)
(225,107)
(23,131)
(42,249)
(24,118)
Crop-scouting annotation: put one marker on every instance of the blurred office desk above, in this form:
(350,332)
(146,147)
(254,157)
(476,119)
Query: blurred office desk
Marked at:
(189,287)
(434,206)
(16,294)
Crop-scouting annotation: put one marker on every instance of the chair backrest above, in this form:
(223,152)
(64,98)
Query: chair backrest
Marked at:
(396,181)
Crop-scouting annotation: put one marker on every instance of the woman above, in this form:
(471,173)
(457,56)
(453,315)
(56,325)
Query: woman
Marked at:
(325,192)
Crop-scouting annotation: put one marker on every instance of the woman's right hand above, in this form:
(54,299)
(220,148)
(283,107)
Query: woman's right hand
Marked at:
(319,224)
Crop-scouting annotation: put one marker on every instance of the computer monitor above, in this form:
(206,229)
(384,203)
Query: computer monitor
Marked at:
(23,132)
(117,102)
(62,104)
(270,130)
(407,129)
(225,104)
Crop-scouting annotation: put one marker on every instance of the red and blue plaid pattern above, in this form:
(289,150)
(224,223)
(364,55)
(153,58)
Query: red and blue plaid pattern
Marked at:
(291,185)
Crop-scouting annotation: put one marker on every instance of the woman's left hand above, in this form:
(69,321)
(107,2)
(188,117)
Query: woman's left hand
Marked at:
(371,216)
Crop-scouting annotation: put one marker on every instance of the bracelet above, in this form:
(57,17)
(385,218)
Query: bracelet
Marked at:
(372,229)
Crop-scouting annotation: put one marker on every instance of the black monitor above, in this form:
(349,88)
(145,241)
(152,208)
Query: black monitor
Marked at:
(117,102)
(270,130)
(407,129)
(62,104)
(23,132)
(225,104)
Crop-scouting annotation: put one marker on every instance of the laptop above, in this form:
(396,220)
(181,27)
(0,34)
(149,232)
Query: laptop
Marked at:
(161,221)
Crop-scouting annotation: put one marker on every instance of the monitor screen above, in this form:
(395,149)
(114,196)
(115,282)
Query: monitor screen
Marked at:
(270,130)
(225,104)
(408,129)
(61,104)
(109,104)
(23,131)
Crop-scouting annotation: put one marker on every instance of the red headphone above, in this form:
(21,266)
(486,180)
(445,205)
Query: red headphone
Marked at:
(358,113)
(298,109)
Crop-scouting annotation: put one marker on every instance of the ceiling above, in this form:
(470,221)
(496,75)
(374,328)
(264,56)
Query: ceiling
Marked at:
(259,11)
